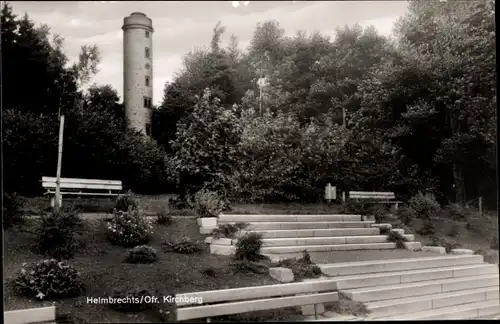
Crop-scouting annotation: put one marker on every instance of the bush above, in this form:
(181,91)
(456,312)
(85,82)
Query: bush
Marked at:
(12,205)
(56,233)
(129,228)
(302,268)
(132,298)
(424,205)
(248,247)
(228,230)
(353,207)
(48,279)
(379,212)
(476,225)
(456,211)
(454,230)
(428,228)
(208,203)
(347,306)
(123,202)
(185,246)
(494,242)
(438,240)
(164,218)
(141,254)
(209,272)
(397,238)
(406,215)
(247,266)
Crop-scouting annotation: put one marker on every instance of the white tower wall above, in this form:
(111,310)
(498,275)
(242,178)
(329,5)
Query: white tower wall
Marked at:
(135,70)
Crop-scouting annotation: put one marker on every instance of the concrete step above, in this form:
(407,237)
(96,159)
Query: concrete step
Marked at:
(422,303)
(401,277)
(333,247)
(328,240)
(256,226)
(421,288)
(464,311)
(226,218)
(329,232)
(362,267)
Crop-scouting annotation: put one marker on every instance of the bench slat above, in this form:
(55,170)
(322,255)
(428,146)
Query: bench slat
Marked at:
(66,185)
(253,305)
(85,181)
(213,296)
(30,315)
(83,193)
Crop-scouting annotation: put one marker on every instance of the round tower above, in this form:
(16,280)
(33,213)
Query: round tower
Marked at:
(138,71)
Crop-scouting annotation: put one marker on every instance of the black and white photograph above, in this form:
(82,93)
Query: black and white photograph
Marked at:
(249,161)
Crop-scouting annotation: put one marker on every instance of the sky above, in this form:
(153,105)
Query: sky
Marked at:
(181,26)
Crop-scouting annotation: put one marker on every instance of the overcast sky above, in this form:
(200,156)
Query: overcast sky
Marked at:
(181,26)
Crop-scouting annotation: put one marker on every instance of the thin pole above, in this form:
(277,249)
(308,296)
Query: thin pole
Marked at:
(59,162)
(343,117)
(481,206)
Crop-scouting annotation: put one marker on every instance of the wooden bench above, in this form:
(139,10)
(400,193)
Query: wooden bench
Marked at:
(81,187)
(31,315)
(373,196)
(207,304)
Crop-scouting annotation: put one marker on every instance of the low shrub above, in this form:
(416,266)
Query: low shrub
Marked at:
(209,272)
(489,256)
(379,212)
(141,254)
(494,242)
(406,215)
(439,240)
(427,228)
(456,211)
(48,279)
(397,238)
(453,230)
(124,202)
(164,218)
(247,266)
(425,205)
(12,209)
(129,228)
(228,230)
(131,298)
(302,268)
(248,247)
(56,233)
(207,203)
(354,207)
(184,245)
(347,306)
(476,225)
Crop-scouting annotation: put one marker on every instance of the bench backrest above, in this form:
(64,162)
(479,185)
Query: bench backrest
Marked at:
(241,300)
(74,183)
(371,195)
(30,315)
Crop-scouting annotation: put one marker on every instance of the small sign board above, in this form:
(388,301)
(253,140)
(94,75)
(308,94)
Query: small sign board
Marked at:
(330,192)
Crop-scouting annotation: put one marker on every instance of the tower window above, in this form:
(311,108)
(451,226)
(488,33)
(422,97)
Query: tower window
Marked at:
(148,129)
(147,81)
(147,102)
(148,66)
(146,52)
(147,34)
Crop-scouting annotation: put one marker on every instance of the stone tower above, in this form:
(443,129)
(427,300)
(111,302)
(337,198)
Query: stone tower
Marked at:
(138,71)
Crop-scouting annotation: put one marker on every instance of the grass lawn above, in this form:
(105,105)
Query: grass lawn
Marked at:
(102,268)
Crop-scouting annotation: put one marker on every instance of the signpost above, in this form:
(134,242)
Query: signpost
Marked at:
(58,200)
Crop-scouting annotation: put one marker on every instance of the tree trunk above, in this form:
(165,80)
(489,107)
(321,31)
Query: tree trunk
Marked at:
(458,178)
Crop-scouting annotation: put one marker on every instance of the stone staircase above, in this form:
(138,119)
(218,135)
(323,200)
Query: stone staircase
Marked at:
(429,288)
(285,234)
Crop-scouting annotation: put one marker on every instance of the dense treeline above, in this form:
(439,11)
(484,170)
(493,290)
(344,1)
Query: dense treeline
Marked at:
(361,111)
